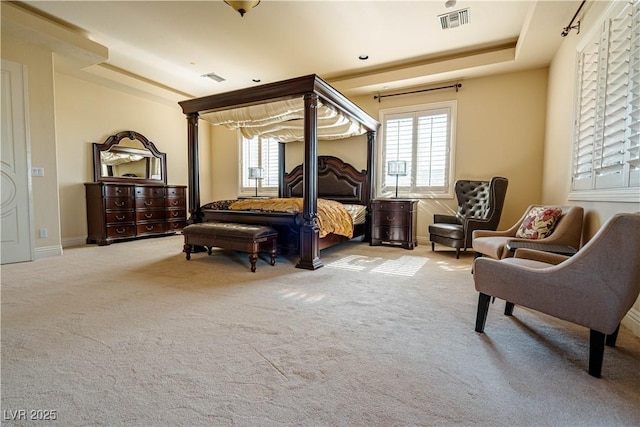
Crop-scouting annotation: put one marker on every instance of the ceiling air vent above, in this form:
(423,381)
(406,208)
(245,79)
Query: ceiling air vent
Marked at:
(214,76)
(454,19)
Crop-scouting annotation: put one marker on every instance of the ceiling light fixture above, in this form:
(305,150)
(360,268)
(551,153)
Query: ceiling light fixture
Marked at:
(363,57)
(242,7)
(449,4)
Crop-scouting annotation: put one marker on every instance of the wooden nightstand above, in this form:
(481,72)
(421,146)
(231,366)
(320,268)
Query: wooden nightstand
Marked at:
(394,222)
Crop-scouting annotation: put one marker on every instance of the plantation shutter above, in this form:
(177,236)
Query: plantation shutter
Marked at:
(606,133)
(422,138)
(633,118)
(262,152)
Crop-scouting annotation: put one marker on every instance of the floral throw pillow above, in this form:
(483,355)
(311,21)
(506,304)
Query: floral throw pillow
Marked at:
(539,222)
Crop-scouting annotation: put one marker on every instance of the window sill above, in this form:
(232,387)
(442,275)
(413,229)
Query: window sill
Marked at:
(624,195)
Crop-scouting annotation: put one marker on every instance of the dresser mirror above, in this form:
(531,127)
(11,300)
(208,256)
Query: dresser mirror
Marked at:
(129,157)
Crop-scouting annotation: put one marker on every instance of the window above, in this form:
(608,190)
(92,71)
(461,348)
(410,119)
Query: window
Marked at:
(259,152)
(423,136)
(606,146)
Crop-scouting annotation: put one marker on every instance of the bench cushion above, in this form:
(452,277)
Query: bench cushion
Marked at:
(229,230)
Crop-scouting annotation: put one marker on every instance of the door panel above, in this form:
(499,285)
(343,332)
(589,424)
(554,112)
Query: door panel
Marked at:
(15,204)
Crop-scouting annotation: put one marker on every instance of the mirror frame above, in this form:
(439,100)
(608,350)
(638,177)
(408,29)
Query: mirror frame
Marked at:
(115,140)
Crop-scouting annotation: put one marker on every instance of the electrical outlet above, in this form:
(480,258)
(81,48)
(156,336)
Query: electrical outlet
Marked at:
(44,233)
(37,171)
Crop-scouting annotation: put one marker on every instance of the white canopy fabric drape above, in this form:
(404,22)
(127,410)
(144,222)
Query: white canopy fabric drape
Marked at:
(284,121)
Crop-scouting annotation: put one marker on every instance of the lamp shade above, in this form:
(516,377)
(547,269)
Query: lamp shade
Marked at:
(397,167)
(256,173)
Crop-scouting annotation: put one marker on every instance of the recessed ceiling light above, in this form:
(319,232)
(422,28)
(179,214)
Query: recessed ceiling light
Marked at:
(256,80)
(449,4)
(363,57)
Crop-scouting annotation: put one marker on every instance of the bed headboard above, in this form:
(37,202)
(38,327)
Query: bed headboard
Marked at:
(337,181)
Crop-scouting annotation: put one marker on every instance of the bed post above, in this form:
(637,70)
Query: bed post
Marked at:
(309,231)
(194,168)
(371,176)
(282,164)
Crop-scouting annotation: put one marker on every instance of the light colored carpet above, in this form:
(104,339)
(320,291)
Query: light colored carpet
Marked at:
(133,334)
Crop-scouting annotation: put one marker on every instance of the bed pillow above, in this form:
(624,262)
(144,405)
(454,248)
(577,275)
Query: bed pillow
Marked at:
(539,222)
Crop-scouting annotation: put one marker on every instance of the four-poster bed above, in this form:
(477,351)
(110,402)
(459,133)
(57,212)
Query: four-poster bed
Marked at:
(305,109)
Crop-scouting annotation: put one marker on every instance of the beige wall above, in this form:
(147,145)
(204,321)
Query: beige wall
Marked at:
(42,129)
(87,112)
(558,142)
(500,132)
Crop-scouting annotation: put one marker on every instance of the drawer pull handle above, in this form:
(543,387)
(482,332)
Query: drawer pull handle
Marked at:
(119,204)
(174,202)
(148,215)
(148,203)
(118,190)
(390,218)
(149,227)
(120,217)
(120,230)
(175,214)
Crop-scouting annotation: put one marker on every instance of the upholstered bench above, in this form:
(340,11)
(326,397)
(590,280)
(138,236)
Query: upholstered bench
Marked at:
(237,237)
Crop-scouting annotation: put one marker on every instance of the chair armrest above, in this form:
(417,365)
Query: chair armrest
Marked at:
(547,257)
(445,219)
(492,233)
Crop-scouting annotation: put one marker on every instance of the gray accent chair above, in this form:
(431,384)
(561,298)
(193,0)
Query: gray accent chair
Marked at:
(595,288)
(567,232)
(479,208)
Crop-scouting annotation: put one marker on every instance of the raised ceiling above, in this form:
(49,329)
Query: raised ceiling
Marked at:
(171,44)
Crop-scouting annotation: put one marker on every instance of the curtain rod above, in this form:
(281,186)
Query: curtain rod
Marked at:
(456,86)
(570,27)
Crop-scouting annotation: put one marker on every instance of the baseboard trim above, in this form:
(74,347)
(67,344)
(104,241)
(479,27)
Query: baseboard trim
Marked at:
(632,321)
(47,251)
(68,242)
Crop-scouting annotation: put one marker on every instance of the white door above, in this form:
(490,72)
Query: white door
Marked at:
(15,206)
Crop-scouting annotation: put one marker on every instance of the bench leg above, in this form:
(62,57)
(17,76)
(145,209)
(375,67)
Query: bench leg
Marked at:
(187,250)
(274,251)
(253,257)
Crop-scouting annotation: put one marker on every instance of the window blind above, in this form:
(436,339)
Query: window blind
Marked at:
(259,152)
(605,148)
(421,137)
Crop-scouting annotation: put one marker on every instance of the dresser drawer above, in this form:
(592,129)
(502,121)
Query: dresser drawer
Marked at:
(392,205)
(172,202)
(149,203)
(391,218)
(150,215)
(175,192)
(143,192)
(150,228)
(117,191)
(173,214)
(121,231)
(176,225)
(118,203)
(114,218)
(391,234)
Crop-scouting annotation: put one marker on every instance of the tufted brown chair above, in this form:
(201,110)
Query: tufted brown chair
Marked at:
(479,208)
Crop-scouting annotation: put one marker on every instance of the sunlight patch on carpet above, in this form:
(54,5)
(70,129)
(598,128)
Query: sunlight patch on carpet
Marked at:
(353,262)
(404,266)
(294,294)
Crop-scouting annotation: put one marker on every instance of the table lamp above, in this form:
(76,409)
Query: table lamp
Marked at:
(256,173)
(397,168)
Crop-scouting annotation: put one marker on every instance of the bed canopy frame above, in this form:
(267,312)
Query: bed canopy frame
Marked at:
(315,92)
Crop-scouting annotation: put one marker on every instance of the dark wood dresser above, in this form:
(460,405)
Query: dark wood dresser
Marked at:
(118,211)
(393,222)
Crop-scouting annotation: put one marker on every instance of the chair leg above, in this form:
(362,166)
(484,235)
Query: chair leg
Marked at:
(457,253)
(483,309)
(433,247)
(596,353)
(508,308)
(611,339)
